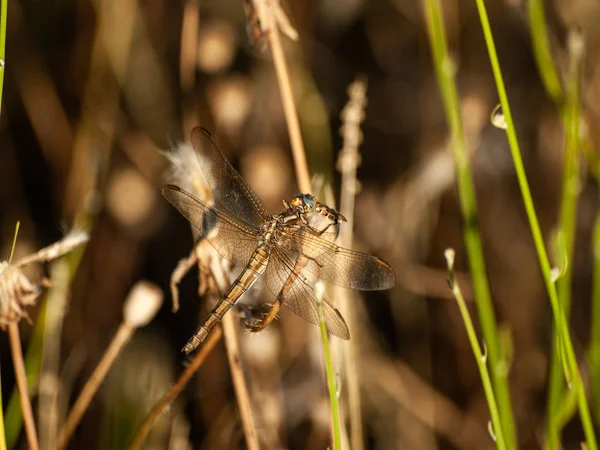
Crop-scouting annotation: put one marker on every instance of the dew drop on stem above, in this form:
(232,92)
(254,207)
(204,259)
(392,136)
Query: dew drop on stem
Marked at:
(497,117)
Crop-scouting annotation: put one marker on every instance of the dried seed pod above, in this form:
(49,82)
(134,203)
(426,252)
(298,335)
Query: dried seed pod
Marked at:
(16,290)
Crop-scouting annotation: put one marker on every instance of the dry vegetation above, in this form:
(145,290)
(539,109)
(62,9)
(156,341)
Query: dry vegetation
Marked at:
(97,94)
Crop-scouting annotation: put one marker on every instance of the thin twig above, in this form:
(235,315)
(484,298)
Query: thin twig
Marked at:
(139,309)
(436,411)
(235,360)
(471,234)
(91,387)
(3,13)
(188,53)
(480,356)
(230,332)
(49,382)
(570,364)
(289,104)
(331,376)
(348,161)
(172,394)
(21,376)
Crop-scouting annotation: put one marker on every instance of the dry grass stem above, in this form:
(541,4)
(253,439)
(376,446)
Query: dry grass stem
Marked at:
(140,307)
(123,335)
(184,166)
(189,45)
(348,161)
(21,378)
(71,241)
(428,405)
(49,384)
(17,292)
(100,105)
(287,97)
(172,394)
(230,333)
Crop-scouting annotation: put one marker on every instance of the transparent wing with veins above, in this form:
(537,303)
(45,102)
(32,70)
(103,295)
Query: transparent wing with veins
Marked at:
(234,240)
(286,282)
(335,264)
(227,185)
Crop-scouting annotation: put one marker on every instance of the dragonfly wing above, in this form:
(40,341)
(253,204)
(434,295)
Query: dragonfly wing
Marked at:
(335,264)
(226,183)
(233,240)
(286,282)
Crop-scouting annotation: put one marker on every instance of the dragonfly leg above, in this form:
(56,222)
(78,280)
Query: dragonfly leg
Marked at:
(265,321)
(318,232)
(310,258)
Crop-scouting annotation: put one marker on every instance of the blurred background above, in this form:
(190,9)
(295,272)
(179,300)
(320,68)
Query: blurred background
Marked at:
(96,92)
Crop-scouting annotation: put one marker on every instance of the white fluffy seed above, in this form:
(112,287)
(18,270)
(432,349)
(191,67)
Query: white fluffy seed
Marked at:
(142,304)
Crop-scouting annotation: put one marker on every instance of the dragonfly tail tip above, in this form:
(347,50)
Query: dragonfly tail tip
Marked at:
(187,349)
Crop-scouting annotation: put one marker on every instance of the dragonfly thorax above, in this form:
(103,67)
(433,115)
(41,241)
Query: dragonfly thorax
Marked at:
(268,230)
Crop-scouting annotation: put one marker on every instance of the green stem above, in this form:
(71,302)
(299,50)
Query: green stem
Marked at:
(570,361)
(568,221)
(479,356)
(331,384)
(472,237)
(541,51)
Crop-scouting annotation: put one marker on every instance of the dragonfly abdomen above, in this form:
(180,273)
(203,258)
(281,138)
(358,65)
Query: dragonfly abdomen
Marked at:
(256,266)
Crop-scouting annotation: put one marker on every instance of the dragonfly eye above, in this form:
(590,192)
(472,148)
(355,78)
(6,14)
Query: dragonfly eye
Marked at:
(309,201)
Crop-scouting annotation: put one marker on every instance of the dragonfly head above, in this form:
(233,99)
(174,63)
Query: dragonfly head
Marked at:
(304,202)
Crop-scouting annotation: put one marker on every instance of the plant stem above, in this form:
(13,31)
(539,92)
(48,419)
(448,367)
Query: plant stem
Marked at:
(172,394)
(541,50)
(331,384)
(289,105)
(230,334)
(3,15)
(121,338)
(472,237)
(21,377)
(348,162)
(479,356)
(33,359)
(570,361)
(568,222)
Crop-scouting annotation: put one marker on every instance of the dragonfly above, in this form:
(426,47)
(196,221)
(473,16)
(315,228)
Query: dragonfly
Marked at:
(287,249)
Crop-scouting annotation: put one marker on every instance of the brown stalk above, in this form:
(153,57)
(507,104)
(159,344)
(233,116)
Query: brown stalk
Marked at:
(21,377)
(230,333)
(188,60)
(49,384)
(96,128)
(209,262)
(121,338)
(139,309)
(349,160)
(170,396)
(188,45)
(287,97)
(427,404)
